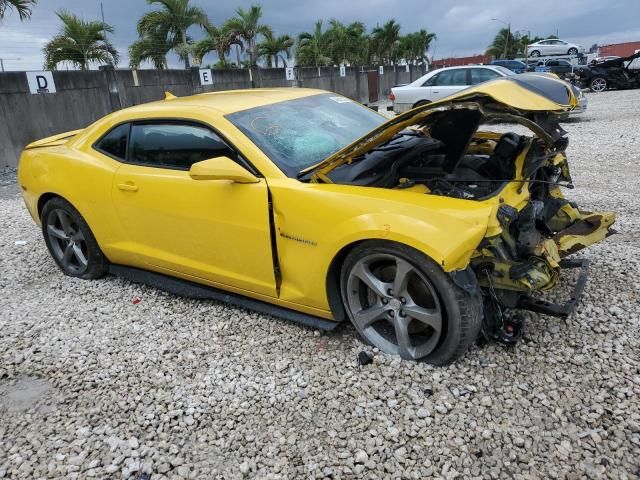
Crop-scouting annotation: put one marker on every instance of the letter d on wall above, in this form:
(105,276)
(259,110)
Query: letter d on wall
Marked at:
(41,82)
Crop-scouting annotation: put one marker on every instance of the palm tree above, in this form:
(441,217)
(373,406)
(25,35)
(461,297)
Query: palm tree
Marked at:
(153,46)
(385,41)
(503,45)
(247,26)
(80,43)
(219,40)
(272,46)
(347,43)
(23,7)
(313,48)
(413,46)
(175,17)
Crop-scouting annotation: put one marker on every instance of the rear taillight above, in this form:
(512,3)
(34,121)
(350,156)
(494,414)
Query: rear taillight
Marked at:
(392,97)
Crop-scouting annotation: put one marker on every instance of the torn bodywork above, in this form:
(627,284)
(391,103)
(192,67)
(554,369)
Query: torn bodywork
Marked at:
(532,228)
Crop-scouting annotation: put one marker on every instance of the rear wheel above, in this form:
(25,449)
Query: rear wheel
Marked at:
(573,51)
(71,242)
(598,84)
(420,103)
(402,302)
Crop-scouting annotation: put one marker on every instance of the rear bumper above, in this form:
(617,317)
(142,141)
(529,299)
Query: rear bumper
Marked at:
(401,107)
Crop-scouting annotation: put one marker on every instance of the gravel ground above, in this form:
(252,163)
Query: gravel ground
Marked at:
(110,379)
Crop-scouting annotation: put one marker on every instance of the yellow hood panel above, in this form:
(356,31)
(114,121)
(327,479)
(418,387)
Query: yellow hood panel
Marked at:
(520,95)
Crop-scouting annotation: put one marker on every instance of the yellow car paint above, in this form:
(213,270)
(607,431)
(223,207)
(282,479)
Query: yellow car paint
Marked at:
(217,232)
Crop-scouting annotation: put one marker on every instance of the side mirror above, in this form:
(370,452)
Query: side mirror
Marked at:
(221,168)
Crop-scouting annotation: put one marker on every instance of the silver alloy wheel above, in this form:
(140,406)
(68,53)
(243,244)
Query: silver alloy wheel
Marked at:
(534,53)
(573,51)
(394,306)
(598,84)
(67,241)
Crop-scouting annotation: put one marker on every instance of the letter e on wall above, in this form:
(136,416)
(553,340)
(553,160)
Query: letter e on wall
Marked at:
(206,78)
(41,82)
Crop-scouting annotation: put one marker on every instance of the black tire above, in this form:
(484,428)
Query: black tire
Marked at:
(420,103)
(572,51)
(534,53)
(598,84)
(86,259)
(460,312)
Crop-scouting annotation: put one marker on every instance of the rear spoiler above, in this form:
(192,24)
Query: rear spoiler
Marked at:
(54,140)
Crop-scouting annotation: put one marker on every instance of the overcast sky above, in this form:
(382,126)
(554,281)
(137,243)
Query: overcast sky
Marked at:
(463,27)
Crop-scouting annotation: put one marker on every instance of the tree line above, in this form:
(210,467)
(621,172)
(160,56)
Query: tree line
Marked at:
(164,28)
(508,44)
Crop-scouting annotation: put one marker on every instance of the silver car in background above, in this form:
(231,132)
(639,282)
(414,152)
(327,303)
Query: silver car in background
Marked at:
(553,46)
(441,83)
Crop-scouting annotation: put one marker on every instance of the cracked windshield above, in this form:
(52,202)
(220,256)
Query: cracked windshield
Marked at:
(299,133)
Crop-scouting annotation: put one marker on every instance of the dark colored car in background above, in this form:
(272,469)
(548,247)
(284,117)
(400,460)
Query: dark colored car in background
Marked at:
(561,68)
(615,73)
(514,65)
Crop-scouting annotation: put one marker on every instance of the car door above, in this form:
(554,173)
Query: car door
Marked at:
(215,230)
(564,67)
(543,47)
(554,66)
(447,83)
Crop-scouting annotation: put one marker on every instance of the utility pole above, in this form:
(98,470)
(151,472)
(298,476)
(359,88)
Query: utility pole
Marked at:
(104,30)
(1,65)
(506,44)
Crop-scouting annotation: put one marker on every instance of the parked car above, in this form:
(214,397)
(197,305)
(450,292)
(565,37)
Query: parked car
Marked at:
(562,68)
(553,46)
(441,83)
(304,204)
(614,73)
(515,66)
(604,59)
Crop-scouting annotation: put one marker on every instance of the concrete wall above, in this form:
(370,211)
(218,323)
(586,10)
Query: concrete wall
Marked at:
(83,97)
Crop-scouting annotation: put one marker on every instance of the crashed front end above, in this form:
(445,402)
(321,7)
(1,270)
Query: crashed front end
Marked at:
(532,231)
(446,149)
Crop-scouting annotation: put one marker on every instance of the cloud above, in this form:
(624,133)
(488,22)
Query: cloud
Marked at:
(463,26)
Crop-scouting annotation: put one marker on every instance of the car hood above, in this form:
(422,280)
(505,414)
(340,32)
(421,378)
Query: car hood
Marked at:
(520,96)
(618,62)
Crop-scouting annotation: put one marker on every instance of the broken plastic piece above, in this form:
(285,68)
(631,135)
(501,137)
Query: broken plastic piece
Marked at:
(135,300)
(364,358)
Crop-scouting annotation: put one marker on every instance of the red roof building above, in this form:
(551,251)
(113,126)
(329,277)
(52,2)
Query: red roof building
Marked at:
(620,49)
(460,61)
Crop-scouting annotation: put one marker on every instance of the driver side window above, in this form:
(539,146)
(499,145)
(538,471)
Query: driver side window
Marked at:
(174,145)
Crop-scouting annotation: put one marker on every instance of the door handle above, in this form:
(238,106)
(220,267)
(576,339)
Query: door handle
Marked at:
(128,187)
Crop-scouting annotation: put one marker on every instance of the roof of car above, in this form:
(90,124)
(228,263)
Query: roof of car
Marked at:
(231,101)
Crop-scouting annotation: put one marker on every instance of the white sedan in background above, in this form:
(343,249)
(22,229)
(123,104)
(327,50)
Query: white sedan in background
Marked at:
(553,46)
(443,82)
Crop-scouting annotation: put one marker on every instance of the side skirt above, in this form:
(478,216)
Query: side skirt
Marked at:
(184,288)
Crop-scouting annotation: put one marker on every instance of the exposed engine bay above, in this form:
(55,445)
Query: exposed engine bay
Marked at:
(534,228)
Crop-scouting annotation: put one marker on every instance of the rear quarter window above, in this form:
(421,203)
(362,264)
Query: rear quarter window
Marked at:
(114,143)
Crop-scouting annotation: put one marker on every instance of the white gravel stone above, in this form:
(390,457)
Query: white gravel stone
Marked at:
(274,400)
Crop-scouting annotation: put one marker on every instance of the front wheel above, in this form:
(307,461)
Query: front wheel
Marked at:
(598,84)
(573,51)
(401,302)
(71,242)
(534,53)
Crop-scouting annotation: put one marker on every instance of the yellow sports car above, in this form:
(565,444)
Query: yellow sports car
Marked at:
(420,230)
